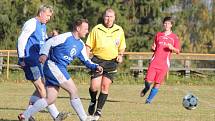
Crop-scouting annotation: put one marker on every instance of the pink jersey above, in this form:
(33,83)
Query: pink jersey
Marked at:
(161,56)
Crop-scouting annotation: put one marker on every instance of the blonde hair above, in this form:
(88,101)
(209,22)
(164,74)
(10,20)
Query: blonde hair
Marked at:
(43,8)
(109,10)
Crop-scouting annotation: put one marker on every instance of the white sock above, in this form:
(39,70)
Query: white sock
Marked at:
(79,109)
(32,100)
(38,105)
(53,110)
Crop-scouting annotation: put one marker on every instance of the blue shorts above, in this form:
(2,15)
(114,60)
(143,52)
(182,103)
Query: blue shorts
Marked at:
(55,74)
(33,73)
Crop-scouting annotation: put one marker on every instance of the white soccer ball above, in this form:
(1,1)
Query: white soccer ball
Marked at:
(190,102)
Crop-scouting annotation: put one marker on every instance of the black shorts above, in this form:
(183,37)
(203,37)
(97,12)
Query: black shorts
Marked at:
(109,68)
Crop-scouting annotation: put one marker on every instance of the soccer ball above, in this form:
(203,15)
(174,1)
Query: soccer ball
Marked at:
(190,102)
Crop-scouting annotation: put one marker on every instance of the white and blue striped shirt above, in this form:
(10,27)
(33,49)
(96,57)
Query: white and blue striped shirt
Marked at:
(31,39)
(64,48)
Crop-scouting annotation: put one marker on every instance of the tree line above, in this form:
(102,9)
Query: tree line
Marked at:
(140,19)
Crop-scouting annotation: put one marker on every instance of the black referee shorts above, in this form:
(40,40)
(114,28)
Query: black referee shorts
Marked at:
(109,68)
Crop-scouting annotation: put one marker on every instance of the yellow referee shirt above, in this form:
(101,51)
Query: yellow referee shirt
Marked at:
(105,43)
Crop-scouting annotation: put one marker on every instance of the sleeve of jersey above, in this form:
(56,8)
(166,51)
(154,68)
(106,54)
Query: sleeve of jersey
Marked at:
(177,43)
(122,40)
(54,41)
(28,28)
(154,44)
(85,60)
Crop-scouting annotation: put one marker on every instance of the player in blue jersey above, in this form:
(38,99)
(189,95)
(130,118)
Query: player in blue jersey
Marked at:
(31,39)
(57,53)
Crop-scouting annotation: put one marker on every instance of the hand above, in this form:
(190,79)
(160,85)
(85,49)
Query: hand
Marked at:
(119,58)
(99,69)
(170,46)
(43,59)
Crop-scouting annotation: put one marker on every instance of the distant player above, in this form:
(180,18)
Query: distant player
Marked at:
(57,53)
(31,39)
(165,43)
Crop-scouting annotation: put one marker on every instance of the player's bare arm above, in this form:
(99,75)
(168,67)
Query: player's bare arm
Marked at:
(120,56)
(153,47)
(170,46)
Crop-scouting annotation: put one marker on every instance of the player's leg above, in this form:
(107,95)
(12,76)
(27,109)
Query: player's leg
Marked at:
(75,101)
(105,85)
(42,103)
(159,78)
(153,92)
(34,97)
(93,90)
(51,97)
(54,77)
(40,88)
(146,88)
(150,76)
(34,74)
(58,75)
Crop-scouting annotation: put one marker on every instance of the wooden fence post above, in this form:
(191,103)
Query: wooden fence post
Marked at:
(140,65)
(187,68)
(8,63)
(1,63)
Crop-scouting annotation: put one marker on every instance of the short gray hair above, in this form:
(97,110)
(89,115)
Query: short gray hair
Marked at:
(44,8)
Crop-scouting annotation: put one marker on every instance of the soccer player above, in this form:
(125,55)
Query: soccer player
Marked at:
(57,53)
(31,39)
(106,42)
(165,43)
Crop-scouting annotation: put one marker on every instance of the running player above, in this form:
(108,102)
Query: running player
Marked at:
(164,44)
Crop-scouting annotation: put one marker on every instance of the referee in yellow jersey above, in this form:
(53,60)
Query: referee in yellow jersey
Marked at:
(106,42)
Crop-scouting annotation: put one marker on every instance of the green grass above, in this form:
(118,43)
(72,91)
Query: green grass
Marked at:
(122,78)
(124,103)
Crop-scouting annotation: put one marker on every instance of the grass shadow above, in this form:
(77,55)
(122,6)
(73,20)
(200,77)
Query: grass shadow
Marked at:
(7,120)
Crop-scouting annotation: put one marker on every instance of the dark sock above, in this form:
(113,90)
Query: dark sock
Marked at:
(101,101)
(147,87)
(93,95)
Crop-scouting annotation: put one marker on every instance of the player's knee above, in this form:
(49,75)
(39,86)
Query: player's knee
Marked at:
(42,91)
(73,93)
(105,88)
(156,85)
(95,86)
(50,100)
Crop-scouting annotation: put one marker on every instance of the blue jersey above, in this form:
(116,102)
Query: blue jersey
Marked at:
(64,48)
(31,39)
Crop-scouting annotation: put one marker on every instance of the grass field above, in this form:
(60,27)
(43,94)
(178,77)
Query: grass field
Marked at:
(124,103)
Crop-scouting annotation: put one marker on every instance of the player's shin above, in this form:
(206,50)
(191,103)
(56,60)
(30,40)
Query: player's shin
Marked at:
(152,94)
(38,105)
(93,95)
(78,107)
(92,105)
(53,110)
(101,101)
(32,100)
(146,89)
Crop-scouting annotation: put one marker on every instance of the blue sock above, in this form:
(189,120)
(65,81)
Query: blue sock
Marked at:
(152,94)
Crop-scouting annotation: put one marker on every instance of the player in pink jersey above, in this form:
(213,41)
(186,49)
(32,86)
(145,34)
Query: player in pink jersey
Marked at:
(164,44)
